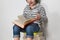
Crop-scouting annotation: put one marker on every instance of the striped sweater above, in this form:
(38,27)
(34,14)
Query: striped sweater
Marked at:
(28,13)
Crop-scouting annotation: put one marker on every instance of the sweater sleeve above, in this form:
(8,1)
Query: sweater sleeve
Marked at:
(43,13)
(25,12)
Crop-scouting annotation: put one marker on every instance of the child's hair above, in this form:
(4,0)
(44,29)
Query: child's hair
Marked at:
(37,1)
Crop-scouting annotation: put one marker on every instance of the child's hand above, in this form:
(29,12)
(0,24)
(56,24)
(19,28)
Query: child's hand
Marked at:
(38,17)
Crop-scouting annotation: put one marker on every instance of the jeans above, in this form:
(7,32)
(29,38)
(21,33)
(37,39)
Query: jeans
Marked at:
(29,29)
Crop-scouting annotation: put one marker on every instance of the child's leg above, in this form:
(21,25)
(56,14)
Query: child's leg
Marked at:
(16,32)
(30,29)
(17,38)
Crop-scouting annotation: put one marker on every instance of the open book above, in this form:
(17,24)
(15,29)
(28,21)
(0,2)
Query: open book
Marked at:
(22,21)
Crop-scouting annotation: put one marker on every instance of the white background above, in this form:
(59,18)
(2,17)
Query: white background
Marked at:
(10,9)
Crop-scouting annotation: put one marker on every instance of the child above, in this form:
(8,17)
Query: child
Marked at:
(32,10)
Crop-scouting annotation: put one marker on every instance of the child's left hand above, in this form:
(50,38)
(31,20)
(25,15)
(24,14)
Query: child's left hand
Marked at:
(38,17)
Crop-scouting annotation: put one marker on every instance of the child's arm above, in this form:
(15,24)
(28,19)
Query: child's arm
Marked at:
(38,16)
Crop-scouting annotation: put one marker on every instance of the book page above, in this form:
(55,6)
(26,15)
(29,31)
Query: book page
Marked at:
(21,21)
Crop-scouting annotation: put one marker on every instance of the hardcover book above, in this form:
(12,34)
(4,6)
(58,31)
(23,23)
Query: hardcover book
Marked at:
(22,21)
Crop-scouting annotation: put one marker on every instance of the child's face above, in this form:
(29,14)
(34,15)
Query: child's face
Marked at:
(31,2)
